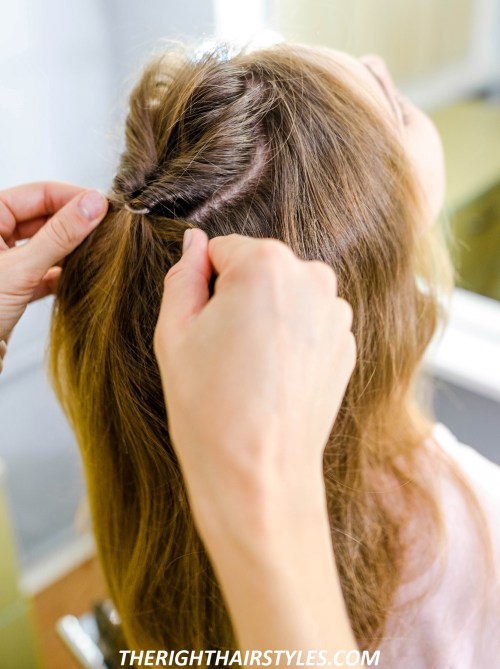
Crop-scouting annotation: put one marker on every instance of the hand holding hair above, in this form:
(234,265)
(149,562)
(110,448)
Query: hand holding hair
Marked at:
(55,217)
(253,380)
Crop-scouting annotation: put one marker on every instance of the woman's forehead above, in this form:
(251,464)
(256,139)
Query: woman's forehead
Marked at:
(354,74)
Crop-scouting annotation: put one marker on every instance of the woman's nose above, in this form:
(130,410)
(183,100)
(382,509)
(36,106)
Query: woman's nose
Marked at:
(379,66)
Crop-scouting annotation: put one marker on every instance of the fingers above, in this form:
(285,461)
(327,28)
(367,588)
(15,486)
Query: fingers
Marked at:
(186,288)
(63,233)
(229,250)
(48,285)
(254,261)
(32,201)
(26,229)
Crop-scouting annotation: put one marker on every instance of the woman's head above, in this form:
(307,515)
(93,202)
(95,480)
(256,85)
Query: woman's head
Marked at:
(287,142)
(419,138)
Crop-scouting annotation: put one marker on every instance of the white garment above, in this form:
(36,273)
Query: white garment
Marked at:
(455,626)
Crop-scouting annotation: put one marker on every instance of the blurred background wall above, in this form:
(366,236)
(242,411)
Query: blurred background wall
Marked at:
(65,70)
(437,49)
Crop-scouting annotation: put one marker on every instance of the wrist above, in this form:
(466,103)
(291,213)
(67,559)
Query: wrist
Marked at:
(266,525)
(288,575)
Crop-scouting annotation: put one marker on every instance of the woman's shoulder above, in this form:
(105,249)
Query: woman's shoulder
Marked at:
(457,623)
(482,474)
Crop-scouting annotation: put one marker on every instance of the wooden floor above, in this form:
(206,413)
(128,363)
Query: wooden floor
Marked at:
(73,594)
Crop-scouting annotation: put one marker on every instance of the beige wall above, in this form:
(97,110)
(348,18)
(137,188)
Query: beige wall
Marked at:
(414,36)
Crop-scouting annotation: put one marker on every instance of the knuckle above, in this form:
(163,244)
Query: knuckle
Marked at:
(231,241)
(266,268)
(272,252)
(174,274)
(352,349)
(173,270)
(160,338)
(22,275)
(324,275)
(351,342)
(344,313)
(61,232)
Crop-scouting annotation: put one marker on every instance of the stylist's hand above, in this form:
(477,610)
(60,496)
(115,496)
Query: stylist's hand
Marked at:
(253,377)
(55,217)
(253,380)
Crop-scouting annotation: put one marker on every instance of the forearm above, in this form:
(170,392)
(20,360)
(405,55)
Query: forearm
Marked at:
(286,593)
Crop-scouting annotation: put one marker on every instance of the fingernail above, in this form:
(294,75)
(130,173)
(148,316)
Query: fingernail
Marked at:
(93,204)
(186,240)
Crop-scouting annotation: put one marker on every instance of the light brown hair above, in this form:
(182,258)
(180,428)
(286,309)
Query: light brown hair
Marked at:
(274,143)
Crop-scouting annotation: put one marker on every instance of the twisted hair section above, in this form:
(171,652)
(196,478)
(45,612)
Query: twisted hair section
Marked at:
(205,157)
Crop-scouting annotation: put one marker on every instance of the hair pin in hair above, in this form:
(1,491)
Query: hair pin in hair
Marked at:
(144,210)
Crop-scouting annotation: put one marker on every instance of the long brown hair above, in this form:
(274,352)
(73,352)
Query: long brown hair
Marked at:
(274,143)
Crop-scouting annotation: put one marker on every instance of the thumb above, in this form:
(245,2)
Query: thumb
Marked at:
(64,232)
(186,288)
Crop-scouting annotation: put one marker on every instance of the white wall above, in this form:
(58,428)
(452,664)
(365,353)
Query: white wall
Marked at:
(65,69)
